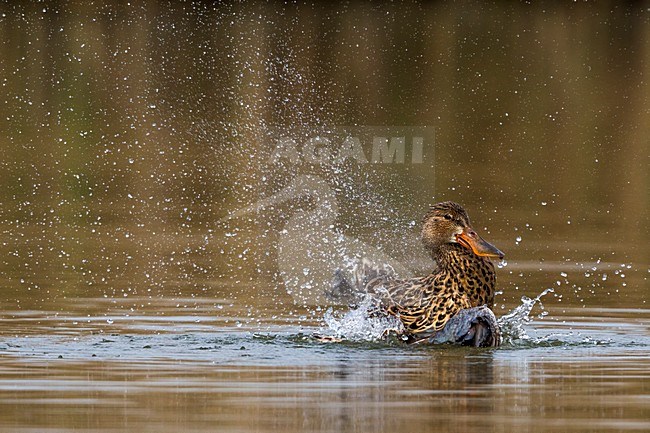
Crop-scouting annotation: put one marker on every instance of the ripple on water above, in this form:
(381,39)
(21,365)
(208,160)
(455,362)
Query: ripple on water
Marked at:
(606,330)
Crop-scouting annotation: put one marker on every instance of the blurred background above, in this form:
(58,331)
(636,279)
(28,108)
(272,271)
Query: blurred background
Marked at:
(130,131)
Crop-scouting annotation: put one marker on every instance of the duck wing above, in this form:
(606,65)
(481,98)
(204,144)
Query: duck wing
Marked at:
(476,327)
(366,277)
(422,304)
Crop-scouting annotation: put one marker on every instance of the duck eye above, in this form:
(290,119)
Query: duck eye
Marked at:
(448,217)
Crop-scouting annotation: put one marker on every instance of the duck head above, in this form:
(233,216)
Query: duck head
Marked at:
(447,223)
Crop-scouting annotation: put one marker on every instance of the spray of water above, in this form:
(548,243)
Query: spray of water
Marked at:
(359,324)
(512,323)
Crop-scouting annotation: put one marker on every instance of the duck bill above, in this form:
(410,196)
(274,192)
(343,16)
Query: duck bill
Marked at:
(471,240)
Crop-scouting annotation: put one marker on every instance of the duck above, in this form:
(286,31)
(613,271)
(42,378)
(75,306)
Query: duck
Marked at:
(454,302)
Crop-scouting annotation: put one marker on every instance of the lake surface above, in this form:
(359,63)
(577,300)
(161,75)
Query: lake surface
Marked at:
(586,370)
(180,182)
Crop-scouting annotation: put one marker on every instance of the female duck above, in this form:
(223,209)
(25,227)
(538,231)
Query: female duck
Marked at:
(452,304)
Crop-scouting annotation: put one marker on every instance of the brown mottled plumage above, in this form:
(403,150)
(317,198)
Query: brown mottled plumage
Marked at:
(464,276)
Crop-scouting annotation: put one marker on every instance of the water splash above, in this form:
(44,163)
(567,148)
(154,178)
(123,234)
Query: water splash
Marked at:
(360,324)
(512,324)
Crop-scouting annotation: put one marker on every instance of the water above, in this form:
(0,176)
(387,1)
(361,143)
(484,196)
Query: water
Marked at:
(586,370)
(165,245)
(356,324)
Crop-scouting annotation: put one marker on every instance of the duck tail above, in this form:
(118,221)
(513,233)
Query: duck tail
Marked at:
(365,278)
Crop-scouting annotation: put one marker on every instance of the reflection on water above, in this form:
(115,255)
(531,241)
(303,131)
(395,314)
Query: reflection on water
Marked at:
(214,377)
(129,301)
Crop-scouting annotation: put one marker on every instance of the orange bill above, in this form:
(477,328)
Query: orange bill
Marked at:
(471,240)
